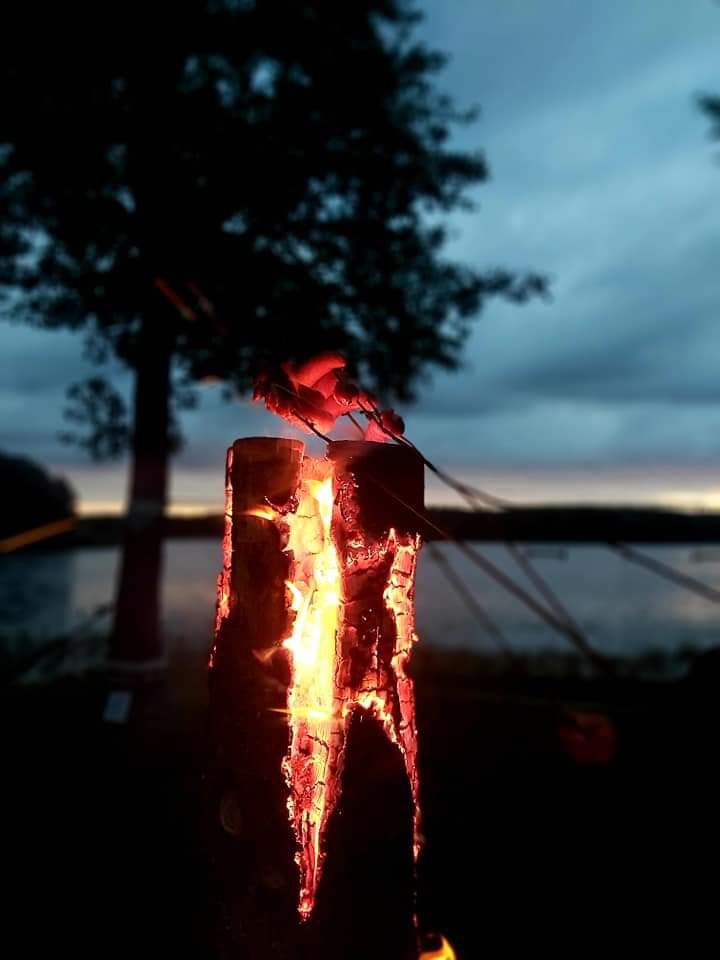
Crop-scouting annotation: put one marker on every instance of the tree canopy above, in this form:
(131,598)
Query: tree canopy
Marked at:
(31,496)
(276,171)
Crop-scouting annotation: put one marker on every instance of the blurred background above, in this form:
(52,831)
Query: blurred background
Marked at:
(505,214)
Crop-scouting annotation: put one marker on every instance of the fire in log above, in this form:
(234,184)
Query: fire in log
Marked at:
(314,632)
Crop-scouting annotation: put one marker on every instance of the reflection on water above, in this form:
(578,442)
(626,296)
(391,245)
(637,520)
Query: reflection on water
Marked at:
(623,608)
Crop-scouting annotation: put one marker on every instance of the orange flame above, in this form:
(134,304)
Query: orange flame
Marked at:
(223,581)
(264,513)
(315,600)
(443,952)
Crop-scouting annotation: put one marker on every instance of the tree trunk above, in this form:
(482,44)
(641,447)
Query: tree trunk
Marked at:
(136,638)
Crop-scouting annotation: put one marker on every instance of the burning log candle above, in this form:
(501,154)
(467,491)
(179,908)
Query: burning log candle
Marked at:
(312,706)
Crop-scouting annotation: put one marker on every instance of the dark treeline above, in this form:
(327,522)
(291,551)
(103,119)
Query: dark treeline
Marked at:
(31,496)
(582,524)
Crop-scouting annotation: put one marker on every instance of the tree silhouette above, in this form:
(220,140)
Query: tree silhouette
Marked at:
(31,496)
(207,188)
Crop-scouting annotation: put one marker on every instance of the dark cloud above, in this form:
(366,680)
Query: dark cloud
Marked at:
(602,176)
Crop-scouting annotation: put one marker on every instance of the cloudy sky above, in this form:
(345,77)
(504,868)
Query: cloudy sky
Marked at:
(604,177)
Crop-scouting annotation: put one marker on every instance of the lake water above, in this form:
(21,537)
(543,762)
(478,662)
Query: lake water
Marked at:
(624,609)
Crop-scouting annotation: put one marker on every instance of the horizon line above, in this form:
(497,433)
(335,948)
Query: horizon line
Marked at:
(115,508)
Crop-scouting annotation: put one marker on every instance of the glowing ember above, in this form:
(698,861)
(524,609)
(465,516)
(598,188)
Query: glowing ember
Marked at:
(400,600)
(351,598)
(443,952)
(313,395)
(223,582)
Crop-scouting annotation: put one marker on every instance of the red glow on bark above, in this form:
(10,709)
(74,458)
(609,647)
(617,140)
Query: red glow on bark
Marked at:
(588,738)
(223,582)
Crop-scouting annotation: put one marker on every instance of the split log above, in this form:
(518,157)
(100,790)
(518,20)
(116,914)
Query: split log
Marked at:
(365,903)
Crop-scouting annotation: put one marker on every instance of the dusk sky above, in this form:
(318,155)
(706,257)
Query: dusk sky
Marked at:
(604,177)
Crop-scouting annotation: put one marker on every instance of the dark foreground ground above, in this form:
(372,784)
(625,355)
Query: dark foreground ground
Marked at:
(541,838)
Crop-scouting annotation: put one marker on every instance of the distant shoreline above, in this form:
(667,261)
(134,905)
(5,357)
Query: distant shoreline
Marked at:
(585,524)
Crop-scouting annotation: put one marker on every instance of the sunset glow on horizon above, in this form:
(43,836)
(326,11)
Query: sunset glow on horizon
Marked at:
(525,488)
